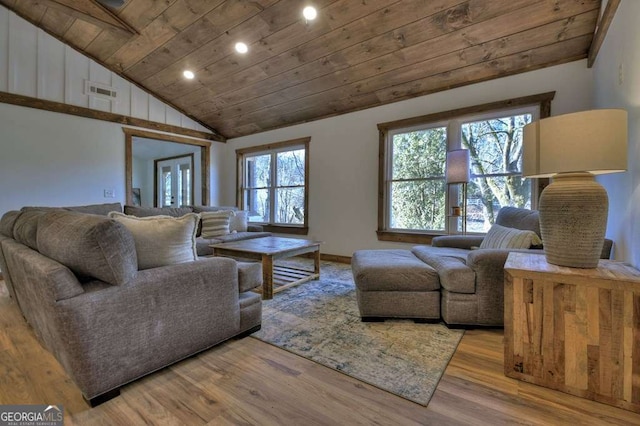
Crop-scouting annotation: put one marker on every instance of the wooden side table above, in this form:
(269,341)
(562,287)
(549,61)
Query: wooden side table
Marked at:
(574,330)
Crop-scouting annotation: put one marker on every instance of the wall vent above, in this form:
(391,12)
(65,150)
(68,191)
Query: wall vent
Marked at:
(100,90)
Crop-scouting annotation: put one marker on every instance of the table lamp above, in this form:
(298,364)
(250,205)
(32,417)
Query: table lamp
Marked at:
(571,149)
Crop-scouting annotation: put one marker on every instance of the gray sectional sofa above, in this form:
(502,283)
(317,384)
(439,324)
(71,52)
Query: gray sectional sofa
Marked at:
(75,277)
(451,280)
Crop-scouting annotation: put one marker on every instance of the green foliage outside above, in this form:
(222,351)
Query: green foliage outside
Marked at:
(418,188)
(418,167)
(288,193)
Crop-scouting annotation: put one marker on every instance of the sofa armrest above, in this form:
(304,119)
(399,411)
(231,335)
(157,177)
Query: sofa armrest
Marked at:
(458,241)
(488,265)
(249,276)
(453,273)
(255,228)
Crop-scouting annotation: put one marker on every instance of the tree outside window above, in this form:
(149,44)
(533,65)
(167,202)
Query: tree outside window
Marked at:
(417,185)
(414,201)
(274,184)
(495,148)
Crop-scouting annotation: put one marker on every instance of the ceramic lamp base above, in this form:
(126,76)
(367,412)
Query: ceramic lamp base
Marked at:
(573,220)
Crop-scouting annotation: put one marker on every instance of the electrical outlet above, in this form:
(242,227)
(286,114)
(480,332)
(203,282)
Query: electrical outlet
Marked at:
(109,193)
(620,74)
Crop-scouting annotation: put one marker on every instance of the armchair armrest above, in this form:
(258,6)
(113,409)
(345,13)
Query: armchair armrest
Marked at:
(457,241)
(488,265)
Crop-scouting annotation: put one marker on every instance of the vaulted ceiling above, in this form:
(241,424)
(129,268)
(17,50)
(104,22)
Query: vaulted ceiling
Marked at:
(357,53)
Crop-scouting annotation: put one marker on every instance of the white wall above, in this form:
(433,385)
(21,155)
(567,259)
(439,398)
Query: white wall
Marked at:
(33,63)
(620,54)
(52,159)
(55,159)
(344,150)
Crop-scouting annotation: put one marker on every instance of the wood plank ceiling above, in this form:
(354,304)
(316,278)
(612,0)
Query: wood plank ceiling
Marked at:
(357,54)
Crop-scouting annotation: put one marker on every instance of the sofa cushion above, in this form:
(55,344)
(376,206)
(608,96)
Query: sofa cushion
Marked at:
(500,237)
(25,227)
(162,240)
(215,224)
(453,272)
(8,221)
(392,270)
(514,217)
(457,253)
(249,276)
(156,211)
(90,245)
(239,221)
(100,209)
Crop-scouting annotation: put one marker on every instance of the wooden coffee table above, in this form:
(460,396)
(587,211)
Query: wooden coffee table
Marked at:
(268,249)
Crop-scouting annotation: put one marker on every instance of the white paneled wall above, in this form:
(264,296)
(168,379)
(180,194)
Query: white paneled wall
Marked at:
(35,64)
(4,47)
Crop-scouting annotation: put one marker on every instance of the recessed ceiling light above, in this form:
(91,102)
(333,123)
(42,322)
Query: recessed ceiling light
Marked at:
(241,47)
(310,13)
(189,75)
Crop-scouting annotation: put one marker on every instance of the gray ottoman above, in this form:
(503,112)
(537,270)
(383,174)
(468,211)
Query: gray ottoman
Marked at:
(395,284)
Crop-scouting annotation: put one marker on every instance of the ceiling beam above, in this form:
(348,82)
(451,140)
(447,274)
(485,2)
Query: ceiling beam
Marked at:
(601,30)
(29,102)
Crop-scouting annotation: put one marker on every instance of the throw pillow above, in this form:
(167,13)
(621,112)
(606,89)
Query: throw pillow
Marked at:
(215,224)
(91,246)
(239,222)
(162,240)
(500,237)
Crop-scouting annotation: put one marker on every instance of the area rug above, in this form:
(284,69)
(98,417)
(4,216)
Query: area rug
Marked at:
(319,320)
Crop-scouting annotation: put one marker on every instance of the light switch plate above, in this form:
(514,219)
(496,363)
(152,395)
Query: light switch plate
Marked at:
(109,193)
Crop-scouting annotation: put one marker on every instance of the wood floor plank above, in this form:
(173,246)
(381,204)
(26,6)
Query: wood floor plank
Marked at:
(249,382)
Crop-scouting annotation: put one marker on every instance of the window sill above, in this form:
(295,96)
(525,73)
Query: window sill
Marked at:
(407,237)
(283,229)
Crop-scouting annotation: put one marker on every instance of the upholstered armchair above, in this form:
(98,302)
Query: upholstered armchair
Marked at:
(472,278)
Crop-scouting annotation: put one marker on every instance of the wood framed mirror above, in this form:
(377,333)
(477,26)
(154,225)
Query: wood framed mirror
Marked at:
(139,148)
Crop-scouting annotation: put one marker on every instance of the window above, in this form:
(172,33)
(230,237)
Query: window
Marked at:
(416,185)
(273,185)
(495,146)
(414,199)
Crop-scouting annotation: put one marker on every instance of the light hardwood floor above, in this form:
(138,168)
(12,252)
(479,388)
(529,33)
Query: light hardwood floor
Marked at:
(249,382)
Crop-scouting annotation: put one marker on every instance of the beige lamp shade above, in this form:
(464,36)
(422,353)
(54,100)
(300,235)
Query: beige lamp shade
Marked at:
(589,141)
(458,166)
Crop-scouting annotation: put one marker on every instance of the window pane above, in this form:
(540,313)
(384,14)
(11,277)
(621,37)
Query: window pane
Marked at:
(290,168)
(495,145)
(418,205)
(258,171)
(419,154)
(290,205)
(486,195)
(257,203)
(166,186)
